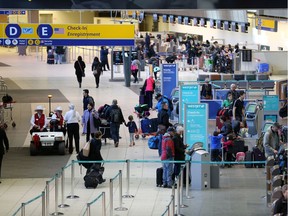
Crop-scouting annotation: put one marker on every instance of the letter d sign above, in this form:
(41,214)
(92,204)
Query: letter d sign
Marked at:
(13,31)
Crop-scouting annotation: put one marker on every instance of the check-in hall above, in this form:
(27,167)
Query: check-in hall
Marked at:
(174,44)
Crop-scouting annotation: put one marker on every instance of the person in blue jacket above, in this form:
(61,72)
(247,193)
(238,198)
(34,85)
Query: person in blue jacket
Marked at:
(215,146)
(161,98)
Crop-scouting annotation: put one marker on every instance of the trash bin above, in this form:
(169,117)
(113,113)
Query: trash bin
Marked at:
(214,176)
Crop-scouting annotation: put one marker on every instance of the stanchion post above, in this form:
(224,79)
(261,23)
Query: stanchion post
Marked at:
(47,197)
(111,196)
(103,204)
(23,209)
(178,196)
(181,176)
(187,179)
(63,205)
(120,208)
(88,209)
(56,196)
(43,203)
(72,196)
(173,201)
(128,180)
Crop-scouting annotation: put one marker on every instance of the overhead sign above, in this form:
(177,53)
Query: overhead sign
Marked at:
(169,78)
(196,124)
(187,94)
(266,24)
(74,34)
(271,103)
(12,12)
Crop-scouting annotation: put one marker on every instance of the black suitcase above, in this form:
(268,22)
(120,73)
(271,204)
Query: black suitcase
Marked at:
(159,177)
(249,157)
(238,146)
(142,99)
(258,156)
(154,125)
(94,176)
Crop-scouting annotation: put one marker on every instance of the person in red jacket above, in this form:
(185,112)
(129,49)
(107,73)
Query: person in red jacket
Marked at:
(57,121)
(168,153)
(38,121)
(226,146)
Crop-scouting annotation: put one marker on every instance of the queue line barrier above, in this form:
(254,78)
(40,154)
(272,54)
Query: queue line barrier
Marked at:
(45,194)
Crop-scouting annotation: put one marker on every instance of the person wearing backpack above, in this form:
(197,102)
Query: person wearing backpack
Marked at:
(162,98)
(115,117)
(97,70)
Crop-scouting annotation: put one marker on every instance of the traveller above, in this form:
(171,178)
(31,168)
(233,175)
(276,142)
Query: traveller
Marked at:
(115,117)
(238,107)
(97,70)
(79,66)
(89,121)
(132,127)
(86,99)
(149,87)
(271,140)
(4,145)
(104,57)
(206,90)
(72,119)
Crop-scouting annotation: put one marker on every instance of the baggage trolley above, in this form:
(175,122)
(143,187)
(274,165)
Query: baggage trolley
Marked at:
(105,130)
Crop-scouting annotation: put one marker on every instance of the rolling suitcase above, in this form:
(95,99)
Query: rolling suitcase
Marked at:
(159,177)
(249,157)
(153,125)
(258,156)
(239,146)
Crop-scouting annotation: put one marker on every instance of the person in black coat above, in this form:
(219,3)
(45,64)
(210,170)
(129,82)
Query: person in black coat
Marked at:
(97,70)
(3,141)
(79,66)
(163,116)
(227,126)
(95,150)
(206,91)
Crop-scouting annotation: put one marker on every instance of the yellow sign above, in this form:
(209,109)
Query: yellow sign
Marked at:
(65,31)
(266,24)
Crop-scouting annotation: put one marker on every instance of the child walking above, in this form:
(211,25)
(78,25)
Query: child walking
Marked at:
(132,127)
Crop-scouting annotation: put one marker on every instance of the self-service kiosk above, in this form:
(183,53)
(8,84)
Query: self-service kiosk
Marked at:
(200,172)
(254,118)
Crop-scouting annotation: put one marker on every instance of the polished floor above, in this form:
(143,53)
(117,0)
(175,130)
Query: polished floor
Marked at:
(241,190)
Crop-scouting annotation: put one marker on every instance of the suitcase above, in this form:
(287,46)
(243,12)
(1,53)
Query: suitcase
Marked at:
(239,146)
(153,125)
(159,177)
(142,99)
(50,59)
(145,125)
(105,132)
(249,157)
(94,177)
(258,156)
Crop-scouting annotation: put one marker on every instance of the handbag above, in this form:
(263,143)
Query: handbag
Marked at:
(83,72)
(86,149)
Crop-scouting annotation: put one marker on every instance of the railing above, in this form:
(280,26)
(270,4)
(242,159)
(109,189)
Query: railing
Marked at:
(45,194)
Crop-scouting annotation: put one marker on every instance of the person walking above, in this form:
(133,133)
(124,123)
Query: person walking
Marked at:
(132,127)
(104,57)
(149,86)
(72,119)
(79,66)
(88,121)
(115,117)
(97,70)
(238,109)
(3,142)
(60,51)
(86,99)
(135,65)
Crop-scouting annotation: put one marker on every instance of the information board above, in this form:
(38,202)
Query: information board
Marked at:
(271,103)
(196,124)
(64,34)
(169,78)
(187,94)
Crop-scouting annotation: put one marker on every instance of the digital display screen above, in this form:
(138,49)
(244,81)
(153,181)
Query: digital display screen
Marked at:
(251,108)
(195,21)
(164,17)
(155,17)
(171,19)
(186,20)
(272,118)
(266,126)
(212,23)
(202,22)
(226,25)
(179,19)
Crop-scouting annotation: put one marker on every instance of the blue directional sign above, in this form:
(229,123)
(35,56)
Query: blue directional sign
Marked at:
(196,124)
(13,12)
(187,94)
(271,103)
(169,78)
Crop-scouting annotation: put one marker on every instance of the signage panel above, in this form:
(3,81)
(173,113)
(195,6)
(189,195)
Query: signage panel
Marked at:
(271,103)
(196,124)
(169,78)
(187,94)
(64,34)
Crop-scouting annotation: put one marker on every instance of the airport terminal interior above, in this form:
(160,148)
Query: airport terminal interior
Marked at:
(47,179)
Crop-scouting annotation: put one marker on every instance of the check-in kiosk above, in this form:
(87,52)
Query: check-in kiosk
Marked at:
(200,172)
(254,118)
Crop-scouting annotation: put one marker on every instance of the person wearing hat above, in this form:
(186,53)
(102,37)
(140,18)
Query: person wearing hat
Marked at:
(38,121)
(72,119)
(57,121)
(168,153)
(271,140)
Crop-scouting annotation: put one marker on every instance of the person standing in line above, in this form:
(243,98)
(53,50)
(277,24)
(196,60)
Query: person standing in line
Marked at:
(149,86)
(135,65)
(206,90)
(88,124)
(271,140)
(168,153)
(104,57)
(132,127)
(163,115)
(72,119)
(79,66)
(115,117)
(60,51)
(238,107)
(97,70)
(233,92)
(3,142)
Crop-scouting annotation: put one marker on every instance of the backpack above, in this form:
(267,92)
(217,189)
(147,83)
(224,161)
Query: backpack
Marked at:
(115,116)
(283,111)
(170,104)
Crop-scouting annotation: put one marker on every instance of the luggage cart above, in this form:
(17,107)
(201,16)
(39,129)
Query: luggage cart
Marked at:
(6,114)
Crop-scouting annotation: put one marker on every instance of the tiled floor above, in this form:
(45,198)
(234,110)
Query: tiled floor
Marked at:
(241,189)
